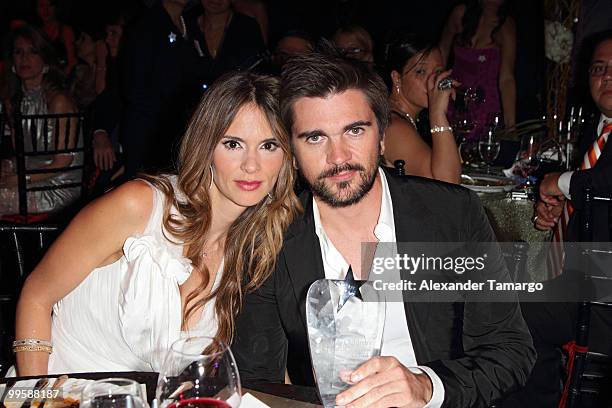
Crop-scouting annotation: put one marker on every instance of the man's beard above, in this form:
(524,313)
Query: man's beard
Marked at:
(322,190)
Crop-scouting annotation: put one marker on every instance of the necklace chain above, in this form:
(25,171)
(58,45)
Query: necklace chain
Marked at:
(407,115)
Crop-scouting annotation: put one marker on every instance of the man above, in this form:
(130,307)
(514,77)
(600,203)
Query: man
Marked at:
(553,325)
(557,187)
(433,353)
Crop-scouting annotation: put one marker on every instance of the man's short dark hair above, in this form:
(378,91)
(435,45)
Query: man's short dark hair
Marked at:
(589,45)
(325,72)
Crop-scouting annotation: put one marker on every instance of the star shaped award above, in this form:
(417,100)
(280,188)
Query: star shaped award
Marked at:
(345,321)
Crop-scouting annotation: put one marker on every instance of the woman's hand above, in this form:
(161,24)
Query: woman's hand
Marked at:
(439,99)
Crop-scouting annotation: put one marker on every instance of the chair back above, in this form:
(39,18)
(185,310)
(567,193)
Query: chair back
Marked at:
(589,371)
(38,138)
(399,167)
(21,247)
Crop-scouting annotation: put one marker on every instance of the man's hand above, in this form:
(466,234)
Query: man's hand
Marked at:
(549,190)
(104,155)
(383,382)
(546,216)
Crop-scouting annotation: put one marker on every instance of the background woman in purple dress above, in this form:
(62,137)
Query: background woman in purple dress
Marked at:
(479,39)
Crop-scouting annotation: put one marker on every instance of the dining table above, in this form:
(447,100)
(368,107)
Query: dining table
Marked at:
(510,209)
(271,394)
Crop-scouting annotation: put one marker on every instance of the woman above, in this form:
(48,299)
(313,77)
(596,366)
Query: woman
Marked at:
(36,87)
(415,73)
(60,35)
(482,38)
(177,252)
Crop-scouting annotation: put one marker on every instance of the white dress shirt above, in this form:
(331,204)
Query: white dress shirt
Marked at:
(396,340)
(566,178)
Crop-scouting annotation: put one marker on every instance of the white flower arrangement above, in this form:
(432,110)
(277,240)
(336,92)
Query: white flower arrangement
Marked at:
(558,42)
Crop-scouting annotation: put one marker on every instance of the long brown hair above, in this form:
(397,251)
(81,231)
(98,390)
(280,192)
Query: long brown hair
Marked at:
(256,236)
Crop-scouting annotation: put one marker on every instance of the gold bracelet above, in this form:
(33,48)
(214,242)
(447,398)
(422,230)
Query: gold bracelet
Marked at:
(440,129)
(46,349)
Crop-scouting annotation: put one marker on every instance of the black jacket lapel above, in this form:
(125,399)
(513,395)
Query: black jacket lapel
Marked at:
(413,223)
(302,254)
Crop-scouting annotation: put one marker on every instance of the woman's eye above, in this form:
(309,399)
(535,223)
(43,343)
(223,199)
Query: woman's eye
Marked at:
(271,146)
(231,144)
(420,71)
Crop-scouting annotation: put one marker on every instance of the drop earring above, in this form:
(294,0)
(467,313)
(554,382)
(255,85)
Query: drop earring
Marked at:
(13,69)
(45,69)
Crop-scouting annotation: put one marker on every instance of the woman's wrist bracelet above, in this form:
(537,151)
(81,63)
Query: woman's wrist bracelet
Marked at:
(32,345)
(45,349)
(440,129)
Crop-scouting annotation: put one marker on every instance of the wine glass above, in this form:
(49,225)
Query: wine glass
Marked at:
(488,148)
(113,393)
(551,156)
(528,158)
(199,372)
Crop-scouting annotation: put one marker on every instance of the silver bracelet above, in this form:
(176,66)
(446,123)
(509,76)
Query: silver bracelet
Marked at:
(440,129)
(32,342)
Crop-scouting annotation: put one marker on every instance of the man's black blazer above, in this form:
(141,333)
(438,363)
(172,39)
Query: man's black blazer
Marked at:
(599,178)
(479,350)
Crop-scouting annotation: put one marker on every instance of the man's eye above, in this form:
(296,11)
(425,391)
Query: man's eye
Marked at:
(231,144)
(356,131)
(597,69)
(313,139)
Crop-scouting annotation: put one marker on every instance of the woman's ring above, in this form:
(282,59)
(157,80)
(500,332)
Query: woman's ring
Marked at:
(445,84)
(534,219)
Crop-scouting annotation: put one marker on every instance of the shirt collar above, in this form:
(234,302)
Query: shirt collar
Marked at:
(385,226)
(602,119)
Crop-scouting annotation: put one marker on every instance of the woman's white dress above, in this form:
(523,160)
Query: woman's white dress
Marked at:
(124,316)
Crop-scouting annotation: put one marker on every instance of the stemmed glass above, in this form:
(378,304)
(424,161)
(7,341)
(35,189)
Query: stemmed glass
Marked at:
(551,156)
(528,157)
(199,372)
(488,148)
(113,393)
(464,122)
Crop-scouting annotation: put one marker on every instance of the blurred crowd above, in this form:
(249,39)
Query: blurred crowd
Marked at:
(137,70)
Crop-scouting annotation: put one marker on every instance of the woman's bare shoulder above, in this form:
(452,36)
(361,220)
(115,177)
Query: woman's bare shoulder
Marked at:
(127,207)
(399,127)
(134,198)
